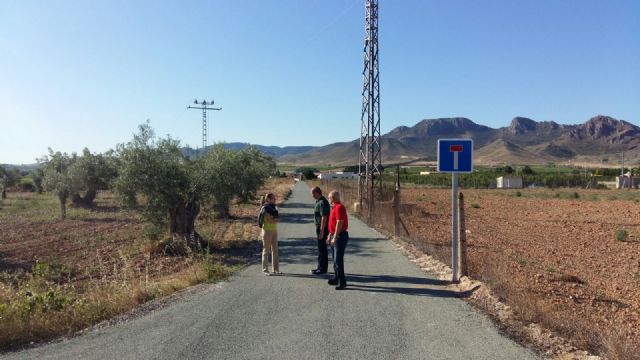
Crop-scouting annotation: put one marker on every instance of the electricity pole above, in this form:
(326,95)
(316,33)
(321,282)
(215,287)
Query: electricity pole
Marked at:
(370,157)
(204,106)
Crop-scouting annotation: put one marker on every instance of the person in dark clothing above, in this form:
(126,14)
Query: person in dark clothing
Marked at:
(321,218)
(338,239)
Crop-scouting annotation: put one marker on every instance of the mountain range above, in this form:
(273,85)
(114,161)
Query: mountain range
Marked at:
(599,140)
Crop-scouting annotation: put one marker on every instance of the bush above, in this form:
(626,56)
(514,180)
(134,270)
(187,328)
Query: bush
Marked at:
(621,235)
(308,174)
(26,184)
(518,194)
(527,170)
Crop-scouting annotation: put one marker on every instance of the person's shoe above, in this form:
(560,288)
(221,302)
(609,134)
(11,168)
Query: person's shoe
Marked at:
(266,273)
(318,272)
(341,287)
(277,272)
(332,282)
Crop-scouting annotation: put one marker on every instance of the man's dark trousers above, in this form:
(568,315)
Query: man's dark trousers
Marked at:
(338,257)
(323,253)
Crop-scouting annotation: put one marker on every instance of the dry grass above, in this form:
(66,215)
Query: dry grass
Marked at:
(57,277)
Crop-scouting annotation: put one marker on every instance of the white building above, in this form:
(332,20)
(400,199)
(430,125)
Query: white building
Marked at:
(509,182)
(338,175)
(627,181)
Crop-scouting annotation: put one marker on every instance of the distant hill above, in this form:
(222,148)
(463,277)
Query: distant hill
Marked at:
(275,151)
(524,141)
(21,167)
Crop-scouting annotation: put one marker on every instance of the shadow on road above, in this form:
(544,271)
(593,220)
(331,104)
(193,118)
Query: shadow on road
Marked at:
(357,278)
(296,205)
(296,218)
(416,291)
(305,250)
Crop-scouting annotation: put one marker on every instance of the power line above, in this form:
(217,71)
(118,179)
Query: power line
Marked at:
(204,106)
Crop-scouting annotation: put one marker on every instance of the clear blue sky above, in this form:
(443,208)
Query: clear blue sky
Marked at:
(288,72)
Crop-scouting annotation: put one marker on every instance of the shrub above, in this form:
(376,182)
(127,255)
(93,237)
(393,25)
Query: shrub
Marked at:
(518,193)
(621,235)
(27,184)
(308,174)
(475,205)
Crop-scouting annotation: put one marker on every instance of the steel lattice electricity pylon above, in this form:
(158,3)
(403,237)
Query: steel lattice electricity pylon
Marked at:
(203,106)
(370,164)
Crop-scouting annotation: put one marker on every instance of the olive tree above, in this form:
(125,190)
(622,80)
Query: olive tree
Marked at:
(155,170)
(95,172)
(225,174)
(173,188)
(38,177)
(58,178)
(7,179)
(3,188)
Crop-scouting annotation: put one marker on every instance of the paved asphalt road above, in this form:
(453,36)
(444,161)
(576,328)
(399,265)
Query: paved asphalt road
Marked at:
(391,310)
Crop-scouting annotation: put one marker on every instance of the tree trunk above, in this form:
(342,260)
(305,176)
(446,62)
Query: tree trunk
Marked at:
(4,193)
(183,219)
(88,198)
(63,206)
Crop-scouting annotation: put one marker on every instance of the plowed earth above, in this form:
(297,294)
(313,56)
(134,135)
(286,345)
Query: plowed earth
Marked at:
(555,260)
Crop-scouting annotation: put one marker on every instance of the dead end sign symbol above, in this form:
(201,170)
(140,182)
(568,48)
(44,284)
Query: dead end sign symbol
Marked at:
(455,155)
(455,149)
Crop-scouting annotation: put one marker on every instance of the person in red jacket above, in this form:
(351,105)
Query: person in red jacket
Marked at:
(338,239)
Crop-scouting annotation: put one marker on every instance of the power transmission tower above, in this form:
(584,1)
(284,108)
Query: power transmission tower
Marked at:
(204,106)
(370,158)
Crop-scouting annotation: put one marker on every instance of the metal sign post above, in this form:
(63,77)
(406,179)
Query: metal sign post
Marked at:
(454,226)
(455,156)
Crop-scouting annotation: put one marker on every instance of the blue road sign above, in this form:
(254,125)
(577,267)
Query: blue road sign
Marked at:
(455,155)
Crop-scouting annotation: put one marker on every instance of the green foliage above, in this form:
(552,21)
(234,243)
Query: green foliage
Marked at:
(223,174)
(51,271)
(170,183)
(26,184)
(486,179)
(9,177)
(49,300)
(58,178)
(3,189)
(95,172)
(621,235)
(214,271)
(527,170)
(38,176)
(475,205)
(353,168)
(518,193)
(155,169)
(308,173)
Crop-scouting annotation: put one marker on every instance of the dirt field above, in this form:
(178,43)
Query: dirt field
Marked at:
(552,255)
(57,276)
